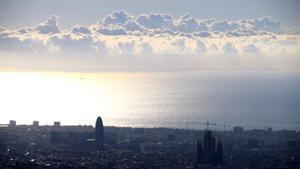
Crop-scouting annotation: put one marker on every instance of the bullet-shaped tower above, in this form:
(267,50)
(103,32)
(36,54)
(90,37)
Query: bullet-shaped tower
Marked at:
(99,134)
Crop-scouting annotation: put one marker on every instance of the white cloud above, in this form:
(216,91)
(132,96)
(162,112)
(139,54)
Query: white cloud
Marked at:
(155,21)
(126,47)
(291,31)
(2,29)
(200,47)
(223,26)
(122,23)
(203,34)
(81,29)
(229,48)
(251,49)
(154,34)
(50,26)
(68,42)
(117,17)
(111,30)
(15,42)
(146,48)
(265,24)
(188,24)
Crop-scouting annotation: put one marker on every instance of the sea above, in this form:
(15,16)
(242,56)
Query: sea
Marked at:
(176,99)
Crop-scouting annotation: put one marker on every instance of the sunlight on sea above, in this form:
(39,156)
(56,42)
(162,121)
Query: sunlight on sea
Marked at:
(168,99)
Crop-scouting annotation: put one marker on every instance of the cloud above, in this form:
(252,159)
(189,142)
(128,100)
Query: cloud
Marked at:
(223,26)
(15,42)
(155,35)
(117,17)
(188,24)
(80,29)
(265,24)
(203,34)
(146,48)
(50,26)
(290,31)
(242,32)
(68,42)
(126,47)
(229,48)
(2,29)
(132,25)
(111,30)
(123,23)
(200,47)
(155,21)
(251,49)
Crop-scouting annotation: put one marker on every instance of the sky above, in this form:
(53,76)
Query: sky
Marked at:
(51,37)
(149,35)
(16,14)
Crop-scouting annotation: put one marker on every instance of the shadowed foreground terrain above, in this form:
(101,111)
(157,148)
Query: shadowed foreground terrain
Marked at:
(34,146)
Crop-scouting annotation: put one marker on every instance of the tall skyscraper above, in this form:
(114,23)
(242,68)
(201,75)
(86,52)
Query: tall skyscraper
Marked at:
(99,133)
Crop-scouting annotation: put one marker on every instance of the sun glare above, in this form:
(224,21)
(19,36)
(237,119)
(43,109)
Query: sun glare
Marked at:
(48,96)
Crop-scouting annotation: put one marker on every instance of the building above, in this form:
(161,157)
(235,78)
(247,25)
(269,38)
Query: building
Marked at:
(35,123)
(211,150)
(78,140)
(12,123)
(238,129)
(99,134)
(58,137)
(270,129)
(56,124)
(199,152)
(219,152)
(171,137)
(253,143)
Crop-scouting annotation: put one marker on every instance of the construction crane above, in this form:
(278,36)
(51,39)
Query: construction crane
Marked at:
(225,125)
(202,123)
(208,124)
